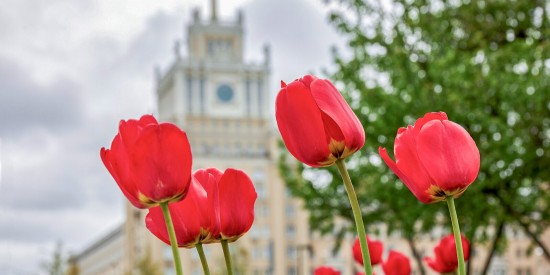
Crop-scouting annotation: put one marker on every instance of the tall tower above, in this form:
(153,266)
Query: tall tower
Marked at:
(223,103)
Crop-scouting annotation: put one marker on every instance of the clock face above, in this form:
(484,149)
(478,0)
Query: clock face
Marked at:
(225,93)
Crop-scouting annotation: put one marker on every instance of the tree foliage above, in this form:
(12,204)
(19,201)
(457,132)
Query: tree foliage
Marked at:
(147,265)
(55,265)
(487,65)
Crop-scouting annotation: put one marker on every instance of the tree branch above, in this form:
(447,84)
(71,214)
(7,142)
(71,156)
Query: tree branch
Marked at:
(416,255)
(498,236)
(525,226)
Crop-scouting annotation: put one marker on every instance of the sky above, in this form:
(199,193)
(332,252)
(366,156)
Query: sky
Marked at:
(71,70)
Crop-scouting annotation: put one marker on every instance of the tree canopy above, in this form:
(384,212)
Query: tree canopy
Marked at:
(487,65)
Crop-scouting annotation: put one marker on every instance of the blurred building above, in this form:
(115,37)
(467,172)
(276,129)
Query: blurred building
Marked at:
(224,105)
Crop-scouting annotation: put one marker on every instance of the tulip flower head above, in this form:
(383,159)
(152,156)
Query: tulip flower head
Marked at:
(187,224)
(317,125)
(326,270)
(397,264)
(445,260)
(150,162)
(375,251)
(219,206)
(232,196)
(436,158)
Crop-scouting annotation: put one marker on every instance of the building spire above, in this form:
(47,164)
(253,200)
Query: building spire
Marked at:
(214,11)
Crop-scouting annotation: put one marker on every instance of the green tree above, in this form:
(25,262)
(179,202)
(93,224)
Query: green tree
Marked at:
(487,65)
(147,265)
(240,257)
(56,265)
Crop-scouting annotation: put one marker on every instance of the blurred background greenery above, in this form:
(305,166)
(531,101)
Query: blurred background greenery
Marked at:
(487,65)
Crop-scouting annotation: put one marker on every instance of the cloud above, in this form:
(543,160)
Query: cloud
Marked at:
(25,104)
(298,33)
(123,76)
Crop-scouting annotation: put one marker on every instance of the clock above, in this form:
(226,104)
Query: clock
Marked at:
(225,93)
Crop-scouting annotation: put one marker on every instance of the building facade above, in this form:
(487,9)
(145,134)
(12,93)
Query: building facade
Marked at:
(223,103)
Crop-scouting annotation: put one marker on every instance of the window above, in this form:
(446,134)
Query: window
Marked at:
(259,174)
(291,252)
(290,231)
(261,211)
(217,46)
(289,211)
(260,189)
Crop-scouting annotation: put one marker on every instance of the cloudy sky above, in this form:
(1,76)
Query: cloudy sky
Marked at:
(70,70)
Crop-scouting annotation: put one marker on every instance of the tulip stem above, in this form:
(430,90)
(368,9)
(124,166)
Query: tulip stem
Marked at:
(227,257)
(356,215)
(458,238)
(204,263)
(172,235)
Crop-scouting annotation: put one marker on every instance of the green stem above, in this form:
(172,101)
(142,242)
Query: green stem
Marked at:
(227,257)
(172,235)
(203,259)
(458,239)
(356,215)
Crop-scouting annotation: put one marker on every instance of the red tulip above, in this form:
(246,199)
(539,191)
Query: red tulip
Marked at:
(316,124)
(326,270)
(187,224)
(397,264)
(219,206)
(445,260)
(150,162)
(232,197)
(375,251)
(435,158)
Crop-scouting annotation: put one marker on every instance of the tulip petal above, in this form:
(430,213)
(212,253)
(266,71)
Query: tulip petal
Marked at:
(397,264)
(236,203)
(376,248)
(209,179)
(449,154)
(416,189)
(162,162)
(301,125)
(438,266)
(154,221)
(407,159)
(119,167)
(345,123)
(326,270)
(419,123)
(184,218)
(446,250)
(446,259)
(145,120)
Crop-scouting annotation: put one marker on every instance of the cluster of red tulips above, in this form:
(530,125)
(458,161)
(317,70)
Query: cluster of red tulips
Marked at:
(151,163)
(435,158)
(397,263)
